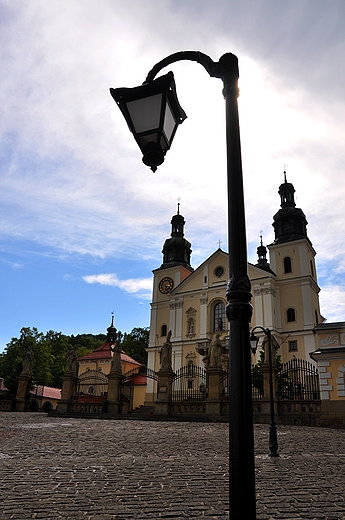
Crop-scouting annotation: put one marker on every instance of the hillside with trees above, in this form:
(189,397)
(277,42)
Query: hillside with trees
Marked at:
(50,351)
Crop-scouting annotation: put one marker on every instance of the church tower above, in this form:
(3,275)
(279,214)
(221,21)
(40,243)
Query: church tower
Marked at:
(174,269)
(292,258)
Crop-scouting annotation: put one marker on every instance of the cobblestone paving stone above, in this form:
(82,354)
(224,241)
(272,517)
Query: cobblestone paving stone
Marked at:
(52,468)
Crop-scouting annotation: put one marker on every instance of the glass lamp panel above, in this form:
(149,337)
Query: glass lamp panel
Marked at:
(144,140)
(169,123)
(164,144)
(145,113)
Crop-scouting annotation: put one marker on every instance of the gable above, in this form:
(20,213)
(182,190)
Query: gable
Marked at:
(211,273)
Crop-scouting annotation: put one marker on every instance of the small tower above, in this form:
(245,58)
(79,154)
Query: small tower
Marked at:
(177,250)
(111,332)
(262,260)
(289,222)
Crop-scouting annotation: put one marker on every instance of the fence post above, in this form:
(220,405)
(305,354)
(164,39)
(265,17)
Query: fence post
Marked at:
(162,403)
(213,402)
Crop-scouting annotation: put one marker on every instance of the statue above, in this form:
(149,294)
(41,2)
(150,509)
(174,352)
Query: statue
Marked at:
(166,352)
(116,365)
(71,359)
(216,353)
(28,362)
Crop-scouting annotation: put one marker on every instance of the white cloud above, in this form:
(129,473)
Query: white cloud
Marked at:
(332,299)
(140,287)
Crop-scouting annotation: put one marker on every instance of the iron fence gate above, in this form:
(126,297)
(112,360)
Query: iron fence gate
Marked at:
(189,384)
(298,380)
(92,386)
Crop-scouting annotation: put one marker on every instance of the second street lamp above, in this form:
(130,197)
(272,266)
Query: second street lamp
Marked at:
(153,139)
(254,340)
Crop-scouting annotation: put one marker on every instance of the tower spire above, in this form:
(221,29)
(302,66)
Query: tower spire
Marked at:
(177,250)
(289,222)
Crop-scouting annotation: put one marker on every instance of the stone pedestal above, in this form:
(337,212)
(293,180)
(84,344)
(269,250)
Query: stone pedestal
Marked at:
(114,384)
(162,403)
(22,397)
(213,401)
(67,392)
(265,402)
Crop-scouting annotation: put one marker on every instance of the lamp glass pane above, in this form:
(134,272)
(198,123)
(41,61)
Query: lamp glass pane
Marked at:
(169,122)
(148,138)
(145,112)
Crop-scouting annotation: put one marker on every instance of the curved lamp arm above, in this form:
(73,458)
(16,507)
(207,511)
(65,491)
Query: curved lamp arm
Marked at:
(226,68)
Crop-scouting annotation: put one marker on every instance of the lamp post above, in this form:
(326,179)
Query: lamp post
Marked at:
(153,114)
(273,441)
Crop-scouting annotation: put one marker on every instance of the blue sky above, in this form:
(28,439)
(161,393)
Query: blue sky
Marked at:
(83,221)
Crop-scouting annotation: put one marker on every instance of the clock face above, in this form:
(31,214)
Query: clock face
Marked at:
(166,285)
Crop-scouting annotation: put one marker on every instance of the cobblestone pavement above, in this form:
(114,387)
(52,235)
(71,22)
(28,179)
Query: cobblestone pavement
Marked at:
(52,468)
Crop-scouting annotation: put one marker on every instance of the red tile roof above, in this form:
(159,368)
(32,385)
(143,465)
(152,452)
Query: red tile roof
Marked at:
(47,391)
(105,352)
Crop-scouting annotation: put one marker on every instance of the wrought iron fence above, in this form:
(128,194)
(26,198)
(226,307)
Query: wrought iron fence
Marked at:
(225,386)
(189,384)
(257,383)
(298,380)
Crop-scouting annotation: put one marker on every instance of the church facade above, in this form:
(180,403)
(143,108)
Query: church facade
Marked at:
(191,302)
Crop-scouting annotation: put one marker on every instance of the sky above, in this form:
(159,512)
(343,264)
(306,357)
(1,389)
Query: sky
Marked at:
(83,220)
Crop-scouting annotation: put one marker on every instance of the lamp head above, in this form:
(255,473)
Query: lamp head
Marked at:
(153,113)
(254,340)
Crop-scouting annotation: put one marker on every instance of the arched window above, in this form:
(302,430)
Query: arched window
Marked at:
(163,330)
(290,314)
(287,265)
(219,317)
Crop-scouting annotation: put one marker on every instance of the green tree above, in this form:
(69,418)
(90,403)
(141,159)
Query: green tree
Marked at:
(135,344)
(11,360)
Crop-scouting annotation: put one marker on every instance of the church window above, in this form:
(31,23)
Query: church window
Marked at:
(190,384)
(219,271)
(219,317)
(293,346)
(312,268)
(287,265)
(163,330)
(290,314)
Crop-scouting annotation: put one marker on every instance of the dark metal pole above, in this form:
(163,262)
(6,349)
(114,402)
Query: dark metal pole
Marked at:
(273,440)
(239,312)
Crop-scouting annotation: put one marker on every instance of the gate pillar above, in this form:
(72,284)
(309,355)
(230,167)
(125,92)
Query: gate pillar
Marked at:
(265,402)
(22,397)
(68,386)
(213,402)
(162,403)
(114,384)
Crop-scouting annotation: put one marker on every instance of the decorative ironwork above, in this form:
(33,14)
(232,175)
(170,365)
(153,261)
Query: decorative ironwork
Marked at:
(92,387)
(140,371)
(298,380)
(189,384)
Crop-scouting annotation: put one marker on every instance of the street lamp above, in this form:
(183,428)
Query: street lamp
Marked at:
(239,310)
(254,340)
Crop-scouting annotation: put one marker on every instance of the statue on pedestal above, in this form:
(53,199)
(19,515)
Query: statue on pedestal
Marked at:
(116,365)
(71,359)
(166,353)
(28,362)
(215,353)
